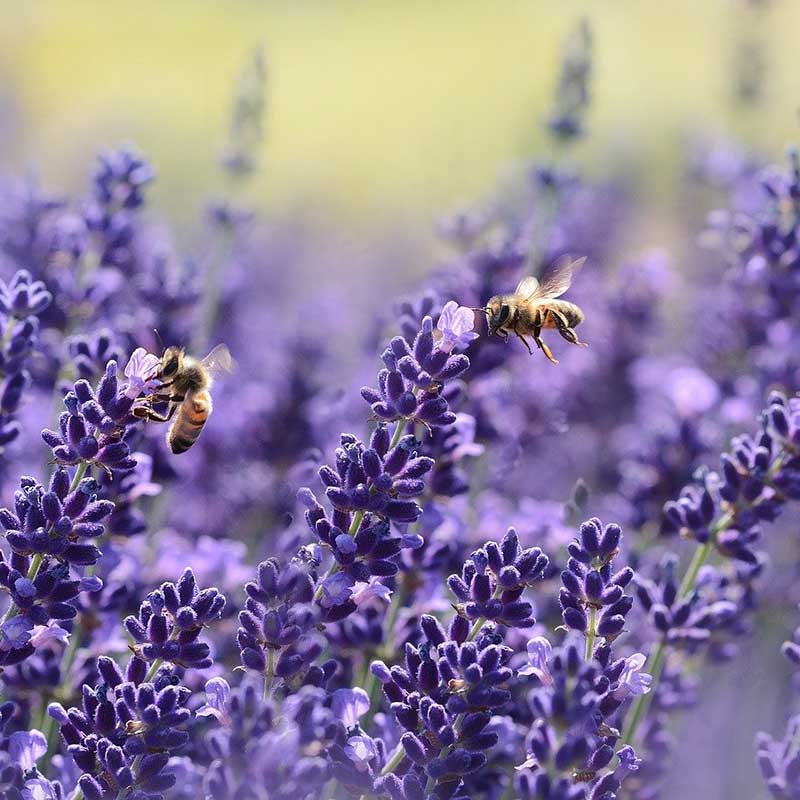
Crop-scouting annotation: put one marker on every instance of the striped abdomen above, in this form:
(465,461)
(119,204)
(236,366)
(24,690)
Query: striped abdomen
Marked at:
(189,421)
(569,311)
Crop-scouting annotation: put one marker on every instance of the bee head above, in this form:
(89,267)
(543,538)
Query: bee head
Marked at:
(498,312)
(171,362)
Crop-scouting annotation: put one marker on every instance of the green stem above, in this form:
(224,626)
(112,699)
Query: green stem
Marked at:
(269,676)
(657,660)
(476,628)
(395,761)
(591,633)
(699,558)
(399,430)
(153,669)
(370,682)
(655,666)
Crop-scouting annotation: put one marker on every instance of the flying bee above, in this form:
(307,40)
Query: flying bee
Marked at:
(533,306)
(187,382)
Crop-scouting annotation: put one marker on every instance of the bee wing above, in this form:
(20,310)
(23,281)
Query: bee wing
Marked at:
(219,360)
(557,277)
(527,286)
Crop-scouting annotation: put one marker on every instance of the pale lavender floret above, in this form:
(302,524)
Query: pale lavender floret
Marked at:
(52,632)
(365,591)
(39,789)
(632,681)
(349,705)
(25,748)
(628,762)
(361,750)
(218,693)
(539,651)
(15,633)
(140,372)
(336,589)
(456,325)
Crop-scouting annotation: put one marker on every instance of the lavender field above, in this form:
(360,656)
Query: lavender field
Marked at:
(303,501)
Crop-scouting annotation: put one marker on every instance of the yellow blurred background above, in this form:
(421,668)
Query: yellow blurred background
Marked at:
(380,112)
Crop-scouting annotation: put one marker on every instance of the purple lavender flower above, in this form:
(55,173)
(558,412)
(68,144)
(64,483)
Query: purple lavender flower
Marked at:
(493,580)
(171,620)
(277,635)
(410,386)
(57,522)
(592,597)
(572,92)
(92,428)
(349,705)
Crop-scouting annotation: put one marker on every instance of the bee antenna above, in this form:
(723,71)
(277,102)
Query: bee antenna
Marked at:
(486,311)
(160,341)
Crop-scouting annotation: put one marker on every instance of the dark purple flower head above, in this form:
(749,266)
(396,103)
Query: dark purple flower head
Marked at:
(592,597)
(57,522)
(124,731)
(171,620)
(277,636)
(493,580)
(92,428)
(41,592)
(756,478)
(410,386)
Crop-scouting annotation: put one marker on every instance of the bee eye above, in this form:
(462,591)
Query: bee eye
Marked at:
(171,367)
(503,316)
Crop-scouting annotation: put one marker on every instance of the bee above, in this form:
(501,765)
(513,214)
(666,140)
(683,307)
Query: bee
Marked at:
(533,306)
(187,382)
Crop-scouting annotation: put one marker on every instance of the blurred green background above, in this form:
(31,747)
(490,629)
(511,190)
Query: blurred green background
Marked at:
(381,113)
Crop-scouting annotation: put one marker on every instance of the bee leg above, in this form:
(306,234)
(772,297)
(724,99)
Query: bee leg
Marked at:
(524,341)
(152,416)
(565,331)
(537,336)
(546,349)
